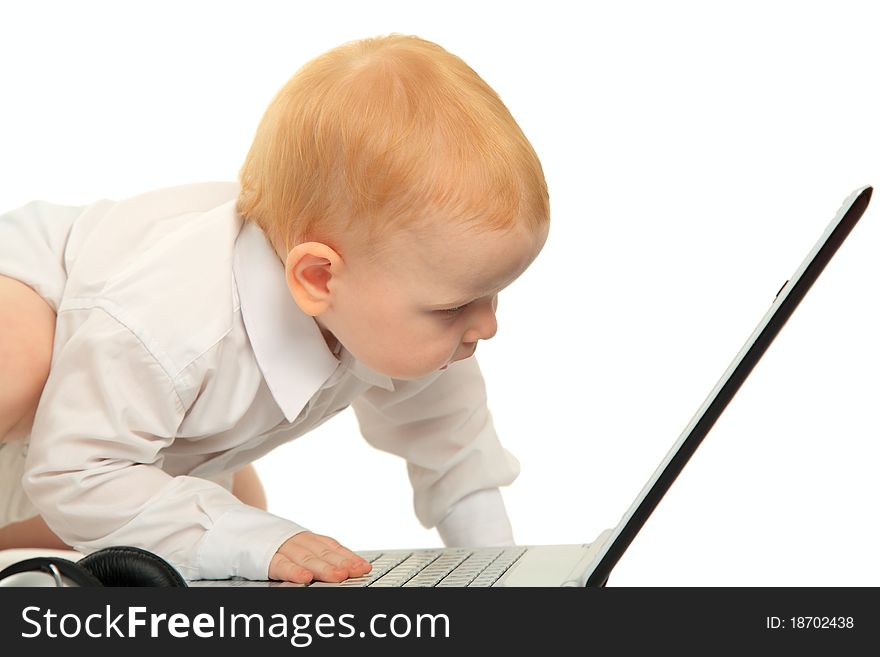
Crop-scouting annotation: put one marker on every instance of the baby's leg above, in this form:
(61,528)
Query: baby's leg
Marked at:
(247,487)
(30,533)
(27,332)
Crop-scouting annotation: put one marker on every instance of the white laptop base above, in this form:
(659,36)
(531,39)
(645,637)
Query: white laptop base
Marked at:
(521,565)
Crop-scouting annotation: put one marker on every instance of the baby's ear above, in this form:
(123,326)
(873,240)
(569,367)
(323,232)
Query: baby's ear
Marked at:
(308,269)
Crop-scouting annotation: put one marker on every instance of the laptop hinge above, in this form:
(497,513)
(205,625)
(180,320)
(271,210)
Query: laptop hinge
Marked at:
(581,572)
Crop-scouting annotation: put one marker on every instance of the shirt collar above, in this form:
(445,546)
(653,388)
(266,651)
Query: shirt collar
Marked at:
(287,343)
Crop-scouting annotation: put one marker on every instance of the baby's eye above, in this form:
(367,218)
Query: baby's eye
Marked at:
(453,311)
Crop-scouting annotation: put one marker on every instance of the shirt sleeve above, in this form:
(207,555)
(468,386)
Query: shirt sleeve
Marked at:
(94,463)
(477,520)
(442,426)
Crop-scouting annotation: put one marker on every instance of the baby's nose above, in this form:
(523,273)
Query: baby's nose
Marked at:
(489,328)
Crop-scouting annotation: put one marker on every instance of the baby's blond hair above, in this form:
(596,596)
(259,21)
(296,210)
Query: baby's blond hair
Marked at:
(387,134)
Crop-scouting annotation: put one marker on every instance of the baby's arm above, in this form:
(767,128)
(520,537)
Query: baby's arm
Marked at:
(107,412)
(35,533)
(300,559)
(442,426)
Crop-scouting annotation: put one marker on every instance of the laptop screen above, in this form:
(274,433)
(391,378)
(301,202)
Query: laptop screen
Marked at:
(787,299)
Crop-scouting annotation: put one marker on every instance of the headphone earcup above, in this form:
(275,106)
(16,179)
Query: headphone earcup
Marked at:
(130,566)
(77,575)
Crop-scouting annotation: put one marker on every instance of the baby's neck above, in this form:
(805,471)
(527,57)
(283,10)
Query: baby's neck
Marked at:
(330,339)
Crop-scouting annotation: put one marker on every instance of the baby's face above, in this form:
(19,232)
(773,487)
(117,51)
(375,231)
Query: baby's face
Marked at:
(427,302)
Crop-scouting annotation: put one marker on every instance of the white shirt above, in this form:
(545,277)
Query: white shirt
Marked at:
(180,356)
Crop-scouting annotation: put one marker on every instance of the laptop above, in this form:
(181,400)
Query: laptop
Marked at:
(589,564)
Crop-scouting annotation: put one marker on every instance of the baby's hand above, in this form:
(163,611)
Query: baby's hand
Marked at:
(308,556)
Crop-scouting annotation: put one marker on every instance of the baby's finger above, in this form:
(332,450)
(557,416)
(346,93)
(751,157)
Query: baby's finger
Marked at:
(282,568)
(354,558)
(299,551)
(330,550)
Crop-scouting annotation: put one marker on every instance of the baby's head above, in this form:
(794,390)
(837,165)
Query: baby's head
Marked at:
(402,197)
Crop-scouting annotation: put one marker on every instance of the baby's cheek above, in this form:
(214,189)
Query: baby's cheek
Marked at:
(414,357)
(415,352)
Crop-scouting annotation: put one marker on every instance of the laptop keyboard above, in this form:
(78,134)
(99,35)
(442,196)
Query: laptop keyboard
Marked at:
(440,567)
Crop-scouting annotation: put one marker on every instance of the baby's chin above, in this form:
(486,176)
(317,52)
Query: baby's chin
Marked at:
(410,374)
(417,375)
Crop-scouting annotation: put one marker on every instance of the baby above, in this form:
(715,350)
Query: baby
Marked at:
(152,348)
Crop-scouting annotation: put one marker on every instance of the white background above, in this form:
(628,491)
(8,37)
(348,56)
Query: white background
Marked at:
(694,153)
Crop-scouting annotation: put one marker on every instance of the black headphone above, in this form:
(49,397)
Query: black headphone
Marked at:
(114,566)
